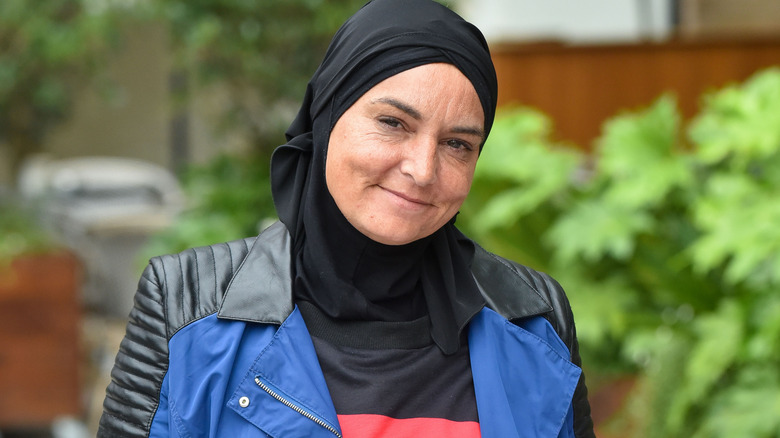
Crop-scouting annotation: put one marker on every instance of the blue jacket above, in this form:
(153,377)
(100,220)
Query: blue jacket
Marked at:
(216,348)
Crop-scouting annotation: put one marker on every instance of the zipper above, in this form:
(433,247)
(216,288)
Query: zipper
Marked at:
(296,408)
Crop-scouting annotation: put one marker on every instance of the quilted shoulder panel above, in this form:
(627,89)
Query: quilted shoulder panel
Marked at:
(173,291)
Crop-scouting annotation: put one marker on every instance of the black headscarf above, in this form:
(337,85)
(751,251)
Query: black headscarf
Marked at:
(342,272)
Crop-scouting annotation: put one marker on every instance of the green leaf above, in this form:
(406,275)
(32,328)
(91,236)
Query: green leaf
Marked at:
(640,156)
(599,307)
(520,157)
(764,344)
(748,409)
(719,340)
(737,218)
(593,230)
(740,123)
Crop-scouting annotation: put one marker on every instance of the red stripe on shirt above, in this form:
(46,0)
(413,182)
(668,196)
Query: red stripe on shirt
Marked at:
(380,426)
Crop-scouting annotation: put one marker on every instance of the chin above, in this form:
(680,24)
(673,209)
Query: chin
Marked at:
(394,239)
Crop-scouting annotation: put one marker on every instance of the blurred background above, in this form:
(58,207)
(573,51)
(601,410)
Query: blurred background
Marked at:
(635,157)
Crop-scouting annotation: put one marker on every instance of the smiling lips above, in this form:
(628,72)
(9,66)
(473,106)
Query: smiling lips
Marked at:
(407,198)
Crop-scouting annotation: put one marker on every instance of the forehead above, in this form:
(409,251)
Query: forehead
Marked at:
(429,89)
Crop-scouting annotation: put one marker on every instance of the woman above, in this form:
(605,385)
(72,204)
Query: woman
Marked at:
(364,312)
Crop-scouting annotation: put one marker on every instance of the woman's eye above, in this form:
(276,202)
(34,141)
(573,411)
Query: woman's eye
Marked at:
(458,144)
(390,121)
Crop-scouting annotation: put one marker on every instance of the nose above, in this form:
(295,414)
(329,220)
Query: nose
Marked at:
(420,161)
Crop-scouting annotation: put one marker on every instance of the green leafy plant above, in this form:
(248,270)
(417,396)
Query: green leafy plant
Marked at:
(665,237)
(229,198)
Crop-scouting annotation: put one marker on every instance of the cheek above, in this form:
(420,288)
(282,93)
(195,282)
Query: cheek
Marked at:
(460,196)
(346,163)
(337,162)
(458,184)
(348,169)
(361,159)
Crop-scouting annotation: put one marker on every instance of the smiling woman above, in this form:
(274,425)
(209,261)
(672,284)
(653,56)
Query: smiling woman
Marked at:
(364,312)
(401,159)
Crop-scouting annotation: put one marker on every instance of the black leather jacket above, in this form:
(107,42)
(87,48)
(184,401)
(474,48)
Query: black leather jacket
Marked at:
(176,290)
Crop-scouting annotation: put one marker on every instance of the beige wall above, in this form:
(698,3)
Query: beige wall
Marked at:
(135,123)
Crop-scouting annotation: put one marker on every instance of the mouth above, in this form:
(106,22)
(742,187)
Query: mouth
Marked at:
(407,198)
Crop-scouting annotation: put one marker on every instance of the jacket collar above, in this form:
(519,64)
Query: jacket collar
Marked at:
(261,288)
(508,288)
(523,379)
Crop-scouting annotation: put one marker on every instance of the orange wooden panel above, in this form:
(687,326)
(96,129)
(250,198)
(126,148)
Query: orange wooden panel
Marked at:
(39,340)
(581,86)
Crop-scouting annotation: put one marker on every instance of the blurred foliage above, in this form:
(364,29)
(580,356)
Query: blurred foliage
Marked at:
(20,230)
(230,198)
(49,50)
(666,238)
(259,55)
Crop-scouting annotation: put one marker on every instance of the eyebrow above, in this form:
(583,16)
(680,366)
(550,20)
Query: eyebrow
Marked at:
(469,131)
(408,109)
(400,105)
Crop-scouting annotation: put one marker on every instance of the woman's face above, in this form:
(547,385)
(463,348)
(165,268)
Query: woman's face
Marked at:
(401,159)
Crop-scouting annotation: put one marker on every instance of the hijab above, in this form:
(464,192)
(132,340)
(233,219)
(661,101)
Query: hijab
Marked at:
(345,274)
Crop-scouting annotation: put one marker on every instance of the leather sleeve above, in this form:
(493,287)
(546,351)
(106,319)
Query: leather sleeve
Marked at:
(562,320)
(132,397)
(583,423)
(174,290)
